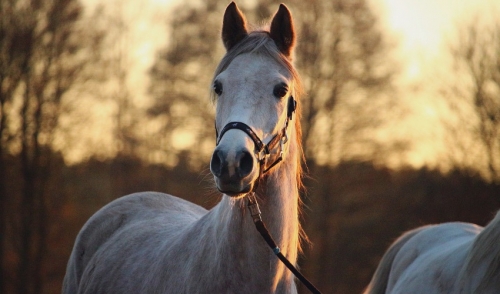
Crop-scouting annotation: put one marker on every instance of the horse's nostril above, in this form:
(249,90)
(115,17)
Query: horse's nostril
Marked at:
(246,164)
(216,164)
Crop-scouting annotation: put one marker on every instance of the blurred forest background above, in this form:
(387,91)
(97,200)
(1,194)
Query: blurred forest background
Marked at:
(75,134)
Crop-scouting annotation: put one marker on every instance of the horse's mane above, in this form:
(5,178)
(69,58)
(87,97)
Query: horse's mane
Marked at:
(260,42)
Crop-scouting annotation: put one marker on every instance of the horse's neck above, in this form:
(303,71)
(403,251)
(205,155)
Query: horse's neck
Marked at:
(279,205)
(278,200)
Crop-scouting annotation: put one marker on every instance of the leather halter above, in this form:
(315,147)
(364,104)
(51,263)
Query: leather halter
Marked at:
(264,151)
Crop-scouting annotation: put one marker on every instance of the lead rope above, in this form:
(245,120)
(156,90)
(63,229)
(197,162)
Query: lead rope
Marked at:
(253,206)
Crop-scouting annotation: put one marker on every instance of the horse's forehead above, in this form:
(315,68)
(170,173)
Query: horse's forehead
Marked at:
(255,67)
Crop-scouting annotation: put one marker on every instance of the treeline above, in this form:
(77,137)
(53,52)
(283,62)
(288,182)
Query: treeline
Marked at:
(354,210)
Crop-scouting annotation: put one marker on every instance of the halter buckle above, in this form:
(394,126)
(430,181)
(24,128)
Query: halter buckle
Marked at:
(262,154)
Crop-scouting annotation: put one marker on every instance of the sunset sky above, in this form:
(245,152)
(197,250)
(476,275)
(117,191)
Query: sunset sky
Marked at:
(419,26)
(420,29)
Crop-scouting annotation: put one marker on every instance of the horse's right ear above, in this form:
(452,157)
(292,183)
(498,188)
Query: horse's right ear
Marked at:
(234,26)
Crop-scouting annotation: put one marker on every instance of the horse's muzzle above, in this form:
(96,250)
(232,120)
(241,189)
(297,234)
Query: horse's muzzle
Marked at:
(233,171)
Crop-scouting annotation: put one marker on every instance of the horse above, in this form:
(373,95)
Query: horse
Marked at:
(152,242)
(451,257)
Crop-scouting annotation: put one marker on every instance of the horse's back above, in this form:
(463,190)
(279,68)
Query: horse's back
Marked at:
(141,221)
(425,260)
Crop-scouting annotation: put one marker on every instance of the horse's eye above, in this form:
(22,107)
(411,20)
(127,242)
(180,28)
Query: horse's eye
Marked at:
(280,90)
(217,88)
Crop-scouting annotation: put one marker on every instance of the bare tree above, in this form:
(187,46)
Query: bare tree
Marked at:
(181,80)
(11,57)
(474,97)
(118,43)
(44,53)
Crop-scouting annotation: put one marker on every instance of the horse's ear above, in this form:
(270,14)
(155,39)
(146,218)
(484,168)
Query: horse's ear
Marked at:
(234,26)
(282,30)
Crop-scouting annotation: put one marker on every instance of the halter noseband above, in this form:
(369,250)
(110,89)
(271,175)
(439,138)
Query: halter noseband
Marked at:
(264,151)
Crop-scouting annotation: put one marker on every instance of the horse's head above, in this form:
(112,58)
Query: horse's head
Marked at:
(254,87)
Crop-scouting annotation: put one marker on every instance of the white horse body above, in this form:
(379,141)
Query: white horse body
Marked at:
(446,258)
(157,243)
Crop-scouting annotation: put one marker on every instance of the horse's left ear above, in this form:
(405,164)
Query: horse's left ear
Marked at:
(282,30)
